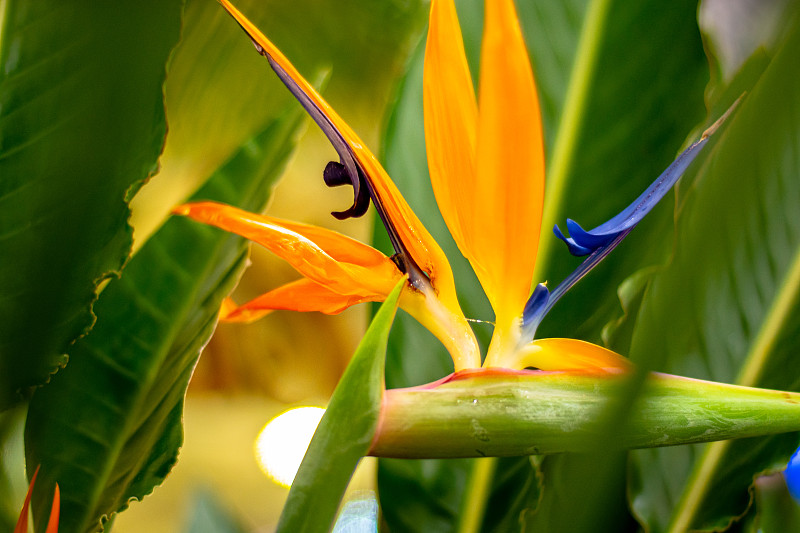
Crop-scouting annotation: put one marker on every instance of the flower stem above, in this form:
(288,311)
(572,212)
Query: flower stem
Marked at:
(507,413)
(477,494)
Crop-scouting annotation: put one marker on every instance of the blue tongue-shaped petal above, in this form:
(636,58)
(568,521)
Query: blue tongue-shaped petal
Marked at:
(597,243)
(582,242)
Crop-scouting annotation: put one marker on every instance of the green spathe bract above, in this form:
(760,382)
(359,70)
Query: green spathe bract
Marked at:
(532,413)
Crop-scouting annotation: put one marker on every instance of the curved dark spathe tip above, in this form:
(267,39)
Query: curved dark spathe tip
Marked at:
(336,175)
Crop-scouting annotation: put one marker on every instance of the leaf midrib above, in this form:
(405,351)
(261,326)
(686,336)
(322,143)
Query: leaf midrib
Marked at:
(3,15)
(572,119)
(779,312)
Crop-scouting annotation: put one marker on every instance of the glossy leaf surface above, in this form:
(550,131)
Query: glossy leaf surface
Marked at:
(108,428)
(735,317)
(81,109)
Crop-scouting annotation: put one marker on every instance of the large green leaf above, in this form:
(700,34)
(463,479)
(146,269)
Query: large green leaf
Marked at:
(108,427)
(344,434)
(634,93)
(12,489)
(727,306)
(81,126)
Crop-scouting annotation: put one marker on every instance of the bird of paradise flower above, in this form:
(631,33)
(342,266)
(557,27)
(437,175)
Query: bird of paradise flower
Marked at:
(486,162)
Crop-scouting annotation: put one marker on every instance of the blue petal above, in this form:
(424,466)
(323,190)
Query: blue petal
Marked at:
(600,241)
(792,475)
(582,242)
(536,307)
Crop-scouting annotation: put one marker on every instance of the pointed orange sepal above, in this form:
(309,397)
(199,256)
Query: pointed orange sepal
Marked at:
(55,509)
(302,295)
(451,119)
(342,265)
(510,165)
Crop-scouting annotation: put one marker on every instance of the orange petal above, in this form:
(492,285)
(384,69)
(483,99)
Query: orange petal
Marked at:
(569,355)
(344,271)
(22,522)
(55,509)
(424,251)
(300,295)
(451,118)
(228,306)
(375,276)
(510,166)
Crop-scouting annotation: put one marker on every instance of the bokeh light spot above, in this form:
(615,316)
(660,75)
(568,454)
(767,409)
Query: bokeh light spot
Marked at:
(282,443)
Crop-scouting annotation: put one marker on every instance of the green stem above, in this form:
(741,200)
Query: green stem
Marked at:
(477,494)
(534,413)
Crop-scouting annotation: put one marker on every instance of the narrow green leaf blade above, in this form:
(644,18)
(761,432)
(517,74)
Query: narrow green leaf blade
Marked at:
(728,306)
(108,427)
(81,126)
(345,432)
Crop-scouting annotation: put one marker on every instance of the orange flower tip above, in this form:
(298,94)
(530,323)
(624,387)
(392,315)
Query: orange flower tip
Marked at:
(55,509)
(183,209)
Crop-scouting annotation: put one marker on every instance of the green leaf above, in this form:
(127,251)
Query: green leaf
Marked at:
(12,480)
(422,491)
(634,91)
(345,432)
(108,427)
(81,126)
(776,510)
(727,306)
